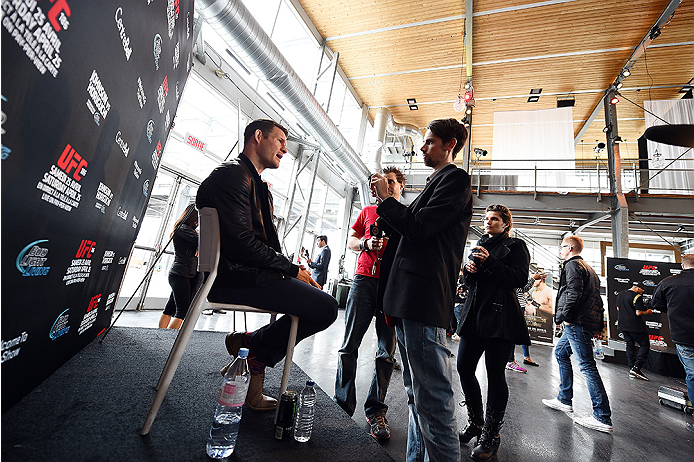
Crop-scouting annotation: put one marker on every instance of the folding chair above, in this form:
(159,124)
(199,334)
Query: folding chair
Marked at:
(208,259)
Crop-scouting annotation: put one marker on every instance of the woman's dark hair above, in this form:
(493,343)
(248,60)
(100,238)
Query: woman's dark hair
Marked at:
(504,212)
(264,125)
(188,217)
(447,129)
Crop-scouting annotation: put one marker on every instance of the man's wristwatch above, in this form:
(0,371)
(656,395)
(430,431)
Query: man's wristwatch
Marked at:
(362,243)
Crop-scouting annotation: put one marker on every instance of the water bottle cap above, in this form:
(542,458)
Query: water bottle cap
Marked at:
(310,383)
(243,352)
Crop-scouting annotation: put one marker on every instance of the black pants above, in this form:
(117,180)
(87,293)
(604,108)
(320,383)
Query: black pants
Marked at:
(637,356)
(496,353)
(183,290)
(316,310)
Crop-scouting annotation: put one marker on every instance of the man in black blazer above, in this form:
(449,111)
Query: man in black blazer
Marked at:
(421,264)
(252,271)
(320,265)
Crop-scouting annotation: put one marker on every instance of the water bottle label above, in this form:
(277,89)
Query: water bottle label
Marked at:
(233,394)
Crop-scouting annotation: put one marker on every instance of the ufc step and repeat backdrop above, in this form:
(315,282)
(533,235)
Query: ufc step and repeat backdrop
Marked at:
(89,91)
(621,274)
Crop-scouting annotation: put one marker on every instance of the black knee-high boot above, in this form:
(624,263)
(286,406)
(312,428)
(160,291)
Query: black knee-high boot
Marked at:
(490,440)
(475,420)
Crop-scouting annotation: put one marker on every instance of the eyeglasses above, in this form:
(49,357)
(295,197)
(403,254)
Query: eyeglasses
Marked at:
(564,245)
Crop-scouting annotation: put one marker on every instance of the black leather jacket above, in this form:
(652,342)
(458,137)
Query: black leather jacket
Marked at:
(250,248)
(491,309)
(578,298)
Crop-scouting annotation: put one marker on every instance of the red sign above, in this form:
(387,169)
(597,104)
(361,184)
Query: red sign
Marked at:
(196,143)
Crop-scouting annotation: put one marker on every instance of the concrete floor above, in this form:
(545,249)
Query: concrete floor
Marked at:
(643,429)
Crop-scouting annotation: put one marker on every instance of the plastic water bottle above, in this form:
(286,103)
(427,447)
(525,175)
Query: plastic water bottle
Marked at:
(304,415)
(597,349)
(227,415)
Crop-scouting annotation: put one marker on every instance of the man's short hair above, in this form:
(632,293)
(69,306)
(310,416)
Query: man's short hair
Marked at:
(264,125)
(447,129)
(688,260)
(323,238)
(399,176)
(504,212)
(576,242)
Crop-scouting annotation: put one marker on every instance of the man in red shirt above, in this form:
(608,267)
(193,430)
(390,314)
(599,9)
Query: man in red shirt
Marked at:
(361,307)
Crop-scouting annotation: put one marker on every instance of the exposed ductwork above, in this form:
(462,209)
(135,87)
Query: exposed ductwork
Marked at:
(383,122)
(249,42)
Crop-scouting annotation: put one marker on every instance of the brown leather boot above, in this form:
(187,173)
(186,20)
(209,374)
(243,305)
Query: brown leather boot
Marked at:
(233,342)
(255,398)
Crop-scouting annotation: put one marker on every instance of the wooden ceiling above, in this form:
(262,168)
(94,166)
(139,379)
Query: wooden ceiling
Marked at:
(392,50)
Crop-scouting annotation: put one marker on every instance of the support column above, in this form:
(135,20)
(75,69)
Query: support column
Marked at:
(620,208)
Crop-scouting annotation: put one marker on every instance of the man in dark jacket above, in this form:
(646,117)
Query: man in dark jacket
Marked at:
(420,269)
(630,322)
(675,295)
(579,307)
(320,265)
(252,271)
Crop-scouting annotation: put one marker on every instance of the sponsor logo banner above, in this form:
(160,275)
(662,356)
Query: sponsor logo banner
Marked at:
(104,196)
(60,185)
(11,348)
(31,260)
(81,266)
(60,326)
(36,32)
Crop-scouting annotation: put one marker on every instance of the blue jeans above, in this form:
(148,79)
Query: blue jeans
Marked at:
(575,339)
(361,308)
(686,355)
(432,433)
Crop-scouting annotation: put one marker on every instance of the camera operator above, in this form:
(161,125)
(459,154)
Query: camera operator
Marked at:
(367,238)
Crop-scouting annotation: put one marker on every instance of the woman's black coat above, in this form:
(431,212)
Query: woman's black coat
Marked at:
(491,308)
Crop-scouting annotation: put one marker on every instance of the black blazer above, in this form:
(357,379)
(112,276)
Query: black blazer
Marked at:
(320,266)
(491,308)
(421,262)
(250,248)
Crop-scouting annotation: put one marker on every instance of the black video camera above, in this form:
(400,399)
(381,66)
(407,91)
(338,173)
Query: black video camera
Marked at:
(475,259)
(376,231)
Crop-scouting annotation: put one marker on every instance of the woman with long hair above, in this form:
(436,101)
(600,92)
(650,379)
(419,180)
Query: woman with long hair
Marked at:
(184,277)
(492,322)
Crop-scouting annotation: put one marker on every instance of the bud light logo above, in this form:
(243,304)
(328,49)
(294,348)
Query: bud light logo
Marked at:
(621,268)
(31,261)
(60,326)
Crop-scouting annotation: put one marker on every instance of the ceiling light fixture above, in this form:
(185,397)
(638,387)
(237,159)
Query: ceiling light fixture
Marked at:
(414,107)
(599,147)
(626,72)
(411,101)
(614,100)
(533,99)
(619,85)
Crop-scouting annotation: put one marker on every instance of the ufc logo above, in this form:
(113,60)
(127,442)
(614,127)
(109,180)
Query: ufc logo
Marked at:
(86,249)
(70,160)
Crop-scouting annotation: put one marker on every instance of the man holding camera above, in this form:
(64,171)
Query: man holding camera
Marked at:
(366,238)
(422,262)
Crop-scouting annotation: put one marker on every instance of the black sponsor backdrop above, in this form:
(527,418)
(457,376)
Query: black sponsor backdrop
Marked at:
(621,274)
(86,121)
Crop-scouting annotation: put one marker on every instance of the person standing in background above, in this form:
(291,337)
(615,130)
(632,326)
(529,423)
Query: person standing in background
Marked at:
(579,308)
(320,266)
(630,321)
(674,295)
(361,307)
(184,278)
(492,323)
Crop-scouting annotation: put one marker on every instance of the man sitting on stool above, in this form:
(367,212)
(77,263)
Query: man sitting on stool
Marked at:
(252,271)
(633,327)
